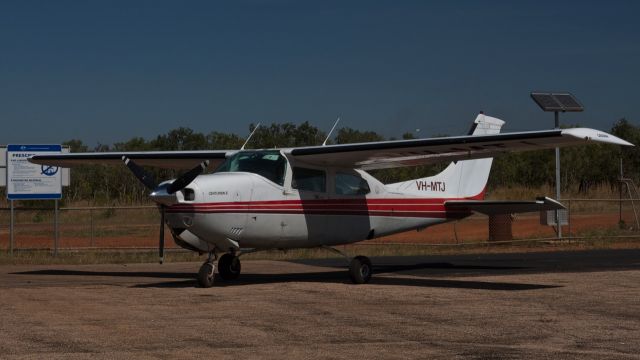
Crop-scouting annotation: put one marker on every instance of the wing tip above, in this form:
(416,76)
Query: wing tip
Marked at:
(595,135)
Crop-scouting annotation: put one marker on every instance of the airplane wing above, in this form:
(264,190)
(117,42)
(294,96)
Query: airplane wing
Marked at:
(391,154)
(161,159)
(493,207)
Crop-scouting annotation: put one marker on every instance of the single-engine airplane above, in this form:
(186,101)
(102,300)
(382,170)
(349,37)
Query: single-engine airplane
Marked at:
(322,196)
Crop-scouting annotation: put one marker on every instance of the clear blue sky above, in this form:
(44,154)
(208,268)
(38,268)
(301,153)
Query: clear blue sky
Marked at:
(105,71)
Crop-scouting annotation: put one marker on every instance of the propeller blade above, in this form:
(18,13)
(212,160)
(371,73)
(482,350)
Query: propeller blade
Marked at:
(142,175)
(161,245)
(184,180)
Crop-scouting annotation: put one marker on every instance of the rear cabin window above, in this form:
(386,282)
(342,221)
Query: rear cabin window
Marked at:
(351,184)
(268,164)
(309,179)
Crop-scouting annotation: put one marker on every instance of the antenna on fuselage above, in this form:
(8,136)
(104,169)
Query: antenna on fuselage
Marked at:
(331,131)
(250,135)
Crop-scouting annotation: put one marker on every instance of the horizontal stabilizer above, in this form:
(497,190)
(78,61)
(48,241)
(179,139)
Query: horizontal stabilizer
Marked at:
(494,207)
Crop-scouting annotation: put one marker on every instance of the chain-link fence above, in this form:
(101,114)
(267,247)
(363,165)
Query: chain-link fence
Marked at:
(138,226)
(82,228)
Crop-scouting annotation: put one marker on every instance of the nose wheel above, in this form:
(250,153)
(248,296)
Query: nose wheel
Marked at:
(206,274)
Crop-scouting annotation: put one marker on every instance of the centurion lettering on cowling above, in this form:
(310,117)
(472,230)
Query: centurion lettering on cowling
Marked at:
(431,185)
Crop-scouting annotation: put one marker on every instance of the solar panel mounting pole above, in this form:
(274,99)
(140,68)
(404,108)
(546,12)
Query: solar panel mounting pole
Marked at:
(556,102)
(558,225)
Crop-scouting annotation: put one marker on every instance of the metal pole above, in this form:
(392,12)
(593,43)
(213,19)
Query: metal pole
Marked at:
(55,229)
(569,220)
(91,224)
(11,231)
(620,194)
(558,226)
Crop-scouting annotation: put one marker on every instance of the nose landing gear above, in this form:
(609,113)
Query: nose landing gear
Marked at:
(228,269)
(206,275)
(207,272)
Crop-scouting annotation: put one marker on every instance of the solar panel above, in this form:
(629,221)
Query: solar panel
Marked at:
(546,101)
(556,101)
(569,102)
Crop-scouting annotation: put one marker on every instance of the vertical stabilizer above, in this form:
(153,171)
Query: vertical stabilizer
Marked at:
(461,179)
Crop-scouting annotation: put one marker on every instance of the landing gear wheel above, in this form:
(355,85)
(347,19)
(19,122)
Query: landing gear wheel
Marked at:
(229,267)
(360,270)
(206,275)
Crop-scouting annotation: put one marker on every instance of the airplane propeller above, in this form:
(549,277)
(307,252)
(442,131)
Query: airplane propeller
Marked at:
(186,178)
(163,194)
(146,178)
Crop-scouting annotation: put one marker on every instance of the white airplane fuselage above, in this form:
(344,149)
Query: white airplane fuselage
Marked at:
(232,210)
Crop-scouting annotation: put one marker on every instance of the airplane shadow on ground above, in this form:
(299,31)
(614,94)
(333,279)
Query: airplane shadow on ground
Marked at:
(381,277)
(342,277)
(128,274)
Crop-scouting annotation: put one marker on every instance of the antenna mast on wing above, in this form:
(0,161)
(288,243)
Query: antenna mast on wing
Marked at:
(331,131)
(250,135)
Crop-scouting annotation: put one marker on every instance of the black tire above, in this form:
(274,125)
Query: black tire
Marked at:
(360,270)
(229,267)
(206,275)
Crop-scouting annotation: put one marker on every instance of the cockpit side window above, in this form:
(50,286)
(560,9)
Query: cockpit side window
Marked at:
(309,179)
(268,164)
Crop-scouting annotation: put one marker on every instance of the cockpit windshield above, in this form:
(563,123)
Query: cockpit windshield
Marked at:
(269,164)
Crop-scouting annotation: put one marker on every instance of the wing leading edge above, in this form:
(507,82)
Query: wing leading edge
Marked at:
(161,159)
(391,154)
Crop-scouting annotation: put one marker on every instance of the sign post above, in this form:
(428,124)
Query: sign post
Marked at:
(11,229)
(27,181)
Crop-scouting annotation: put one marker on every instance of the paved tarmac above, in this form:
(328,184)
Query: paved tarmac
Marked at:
(497,306)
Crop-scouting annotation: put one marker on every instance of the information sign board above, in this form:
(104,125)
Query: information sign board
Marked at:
(31,181)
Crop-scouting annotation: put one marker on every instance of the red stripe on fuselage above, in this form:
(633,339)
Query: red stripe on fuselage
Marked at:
(397,207)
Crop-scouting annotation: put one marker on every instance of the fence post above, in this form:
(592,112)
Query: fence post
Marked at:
(92,242)
(569,220)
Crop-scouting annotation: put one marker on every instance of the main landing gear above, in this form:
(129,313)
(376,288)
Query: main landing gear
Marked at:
(360,269)
(229,266)
(228,269)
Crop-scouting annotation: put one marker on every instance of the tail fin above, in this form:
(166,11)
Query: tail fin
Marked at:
(462,179)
